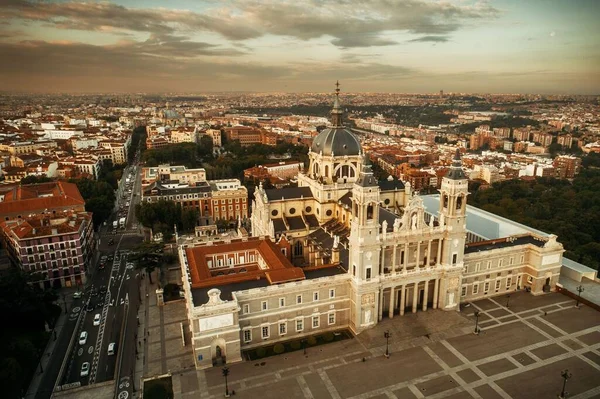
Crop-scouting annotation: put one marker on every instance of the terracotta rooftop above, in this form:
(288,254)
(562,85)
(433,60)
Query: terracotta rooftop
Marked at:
(40,197)
(45,225)
(279,269)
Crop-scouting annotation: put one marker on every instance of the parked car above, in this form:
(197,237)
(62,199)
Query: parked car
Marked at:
(97,319)
(85,369)
(83,337)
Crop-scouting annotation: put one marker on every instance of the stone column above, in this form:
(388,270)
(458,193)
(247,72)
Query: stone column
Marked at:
(428,253)
(394,259)
(391,309)
(426,292)
(439,251)
(405,257)
(402,299)
(418,259)
(415,297)
(382,267)
(435,293)
(380,316)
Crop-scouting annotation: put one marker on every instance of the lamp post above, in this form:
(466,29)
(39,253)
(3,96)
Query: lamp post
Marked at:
(304,346)
(565,375)
(387,336)
(580,289)
(476,322)
(507,300)
(225,374)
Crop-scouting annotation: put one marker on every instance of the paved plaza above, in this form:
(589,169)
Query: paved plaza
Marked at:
(519,353)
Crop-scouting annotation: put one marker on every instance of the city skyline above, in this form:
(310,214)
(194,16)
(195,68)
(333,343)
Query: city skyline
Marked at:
(413,46)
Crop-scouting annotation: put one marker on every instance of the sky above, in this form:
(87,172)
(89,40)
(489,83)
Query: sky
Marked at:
(400,46)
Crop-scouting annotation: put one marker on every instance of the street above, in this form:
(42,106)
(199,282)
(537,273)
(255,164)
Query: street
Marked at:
(112,289)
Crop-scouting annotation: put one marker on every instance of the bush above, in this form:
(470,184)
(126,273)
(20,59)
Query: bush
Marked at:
(295,345)
(311,341)
(279,349)
(261,352)
(328,336)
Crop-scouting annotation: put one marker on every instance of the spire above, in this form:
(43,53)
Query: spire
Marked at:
(336,112)
(366,177)
(456,172)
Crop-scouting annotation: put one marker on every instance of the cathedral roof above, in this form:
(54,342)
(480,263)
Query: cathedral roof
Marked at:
(288,193)
(336,141)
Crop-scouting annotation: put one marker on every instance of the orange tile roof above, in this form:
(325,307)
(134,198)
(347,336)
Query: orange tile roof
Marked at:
(55,195)
(279,269)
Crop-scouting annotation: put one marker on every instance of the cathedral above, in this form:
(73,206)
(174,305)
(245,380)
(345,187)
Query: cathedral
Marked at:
(344,250)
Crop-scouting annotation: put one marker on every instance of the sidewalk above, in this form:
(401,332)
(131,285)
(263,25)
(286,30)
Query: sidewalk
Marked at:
(48,353)
(142,333)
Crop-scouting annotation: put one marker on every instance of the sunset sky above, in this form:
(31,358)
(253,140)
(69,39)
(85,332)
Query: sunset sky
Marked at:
(419,46)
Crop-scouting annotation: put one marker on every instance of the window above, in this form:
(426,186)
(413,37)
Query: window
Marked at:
(282,328)
(281,302)
(508,282)
(511,261)
(315,322)
(475,289)
(247,335)
(454,258)
(466,269)
(489,264)
(263,305)
(464,291)
(354,270)
(246,308)
(486,287)
(477,266)
(265,332)
(315,296)
(331,318)
(522,258)
(500,262)
(497,284)
(299,299)
(368,273)
(332,293)
(299,325)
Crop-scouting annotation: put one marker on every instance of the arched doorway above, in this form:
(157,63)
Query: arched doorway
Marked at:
(218,352)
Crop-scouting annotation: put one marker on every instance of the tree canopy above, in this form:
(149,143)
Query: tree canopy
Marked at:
(571,210)
(161,216)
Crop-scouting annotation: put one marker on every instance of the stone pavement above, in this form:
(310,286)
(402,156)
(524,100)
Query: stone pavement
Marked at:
(519,353)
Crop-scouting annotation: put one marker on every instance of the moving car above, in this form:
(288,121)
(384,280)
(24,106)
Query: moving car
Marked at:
(111,349)
(85,369)
(77,295)
(83,337)
(97,319)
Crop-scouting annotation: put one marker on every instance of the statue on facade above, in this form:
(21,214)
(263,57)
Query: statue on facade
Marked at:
(413,225)
(396,224)
(384,226)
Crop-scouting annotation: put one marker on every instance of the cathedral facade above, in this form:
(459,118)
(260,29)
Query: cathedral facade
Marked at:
(344,250)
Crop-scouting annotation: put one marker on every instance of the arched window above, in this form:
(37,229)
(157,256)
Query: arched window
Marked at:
(369,211)
(459,202)
(445,201)
(326,170)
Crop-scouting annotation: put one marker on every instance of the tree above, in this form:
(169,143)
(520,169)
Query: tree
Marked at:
(148,256)
(33,179)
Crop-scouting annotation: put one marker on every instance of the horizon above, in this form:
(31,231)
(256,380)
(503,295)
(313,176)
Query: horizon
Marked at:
(536,47)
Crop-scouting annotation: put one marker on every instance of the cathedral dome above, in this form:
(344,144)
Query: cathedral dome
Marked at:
(338,141)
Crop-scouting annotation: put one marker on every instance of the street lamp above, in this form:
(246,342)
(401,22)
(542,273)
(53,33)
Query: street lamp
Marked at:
(387,336)
(476,322)
(304,346)
(225,374)
(580,289)
(565,375)
(507,300)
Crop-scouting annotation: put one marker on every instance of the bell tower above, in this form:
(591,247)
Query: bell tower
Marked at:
(453,211)
(365,247)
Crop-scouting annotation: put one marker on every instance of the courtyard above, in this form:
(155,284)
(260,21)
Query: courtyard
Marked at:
(520,352)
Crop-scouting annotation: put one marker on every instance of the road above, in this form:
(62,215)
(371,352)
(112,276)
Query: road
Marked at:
(118,281)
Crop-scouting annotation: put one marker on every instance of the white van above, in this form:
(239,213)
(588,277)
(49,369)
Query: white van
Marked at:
(111,349)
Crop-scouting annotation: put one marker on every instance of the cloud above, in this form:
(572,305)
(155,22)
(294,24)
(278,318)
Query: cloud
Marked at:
(130,66)
(361,41)
(431,38)
(351,23)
